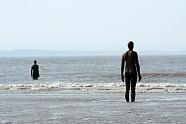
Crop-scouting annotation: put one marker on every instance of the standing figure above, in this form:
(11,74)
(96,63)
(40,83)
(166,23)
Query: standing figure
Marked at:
(35,71)
(132,69)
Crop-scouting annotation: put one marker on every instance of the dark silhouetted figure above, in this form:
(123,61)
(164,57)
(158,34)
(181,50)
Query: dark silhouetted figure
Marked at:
(132,69)
(35,71)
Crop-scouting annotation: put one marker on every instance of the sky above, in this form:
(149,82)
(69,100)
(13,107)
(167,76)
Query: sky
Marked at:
(93,25)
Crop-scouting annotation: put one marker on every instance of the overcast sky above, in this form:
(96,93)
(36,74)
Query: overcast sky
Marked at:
(93,25)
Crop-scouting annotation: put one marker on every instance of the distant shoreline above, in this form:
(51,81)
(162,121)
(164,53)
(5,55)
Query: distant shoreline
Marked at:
(50,53)
(53,56)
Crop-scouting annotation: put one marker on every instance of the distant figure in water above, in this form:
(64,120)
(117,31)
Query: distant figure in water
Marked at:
(35,71)
(132,69)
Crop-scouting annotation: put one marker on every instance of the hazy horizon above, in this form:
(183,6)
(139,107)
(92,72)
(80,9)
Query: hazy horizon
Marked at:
(53,53)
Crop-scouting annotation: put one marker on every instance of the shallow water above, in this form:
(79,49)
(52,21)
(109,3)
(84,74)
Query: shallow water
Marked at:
(93,71)
(77,107)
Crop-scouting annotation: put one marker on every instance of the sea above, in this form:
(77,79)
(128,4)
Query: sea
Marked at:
(89,90)
(165,72)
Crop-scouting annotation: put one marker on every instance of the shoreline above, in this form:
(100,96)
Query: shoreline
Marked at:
(91,87)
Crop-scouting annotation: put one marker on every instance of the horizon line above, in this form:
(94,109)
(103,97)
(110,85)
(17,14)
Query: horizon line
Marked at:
(49,50)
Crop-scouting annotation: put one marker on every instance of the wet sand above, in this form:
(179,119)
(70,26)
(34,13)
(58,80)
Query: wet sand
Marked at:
(102,108)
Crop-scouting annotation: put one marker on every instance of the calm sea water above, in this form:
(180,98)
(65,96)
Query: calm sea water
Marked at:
(100,69)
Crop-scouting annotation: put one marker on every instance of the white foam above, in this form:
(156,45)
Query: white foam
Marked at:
(118,87)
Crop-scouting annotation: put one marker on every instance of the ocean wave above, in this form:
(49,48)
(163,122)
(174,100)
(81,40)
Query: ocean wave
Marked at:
(165,74)
(95,87)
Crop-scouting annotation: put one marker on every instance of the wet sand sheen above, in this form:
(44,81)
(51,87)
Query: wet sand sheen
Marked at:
(81,107)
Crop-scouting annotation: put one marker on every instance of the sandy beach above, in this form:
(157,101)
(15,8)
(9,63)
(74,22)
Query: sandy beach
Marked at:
(74,107)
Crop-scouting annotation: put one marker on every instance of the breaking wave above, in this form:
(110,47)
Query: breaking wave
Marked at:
(94,87)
